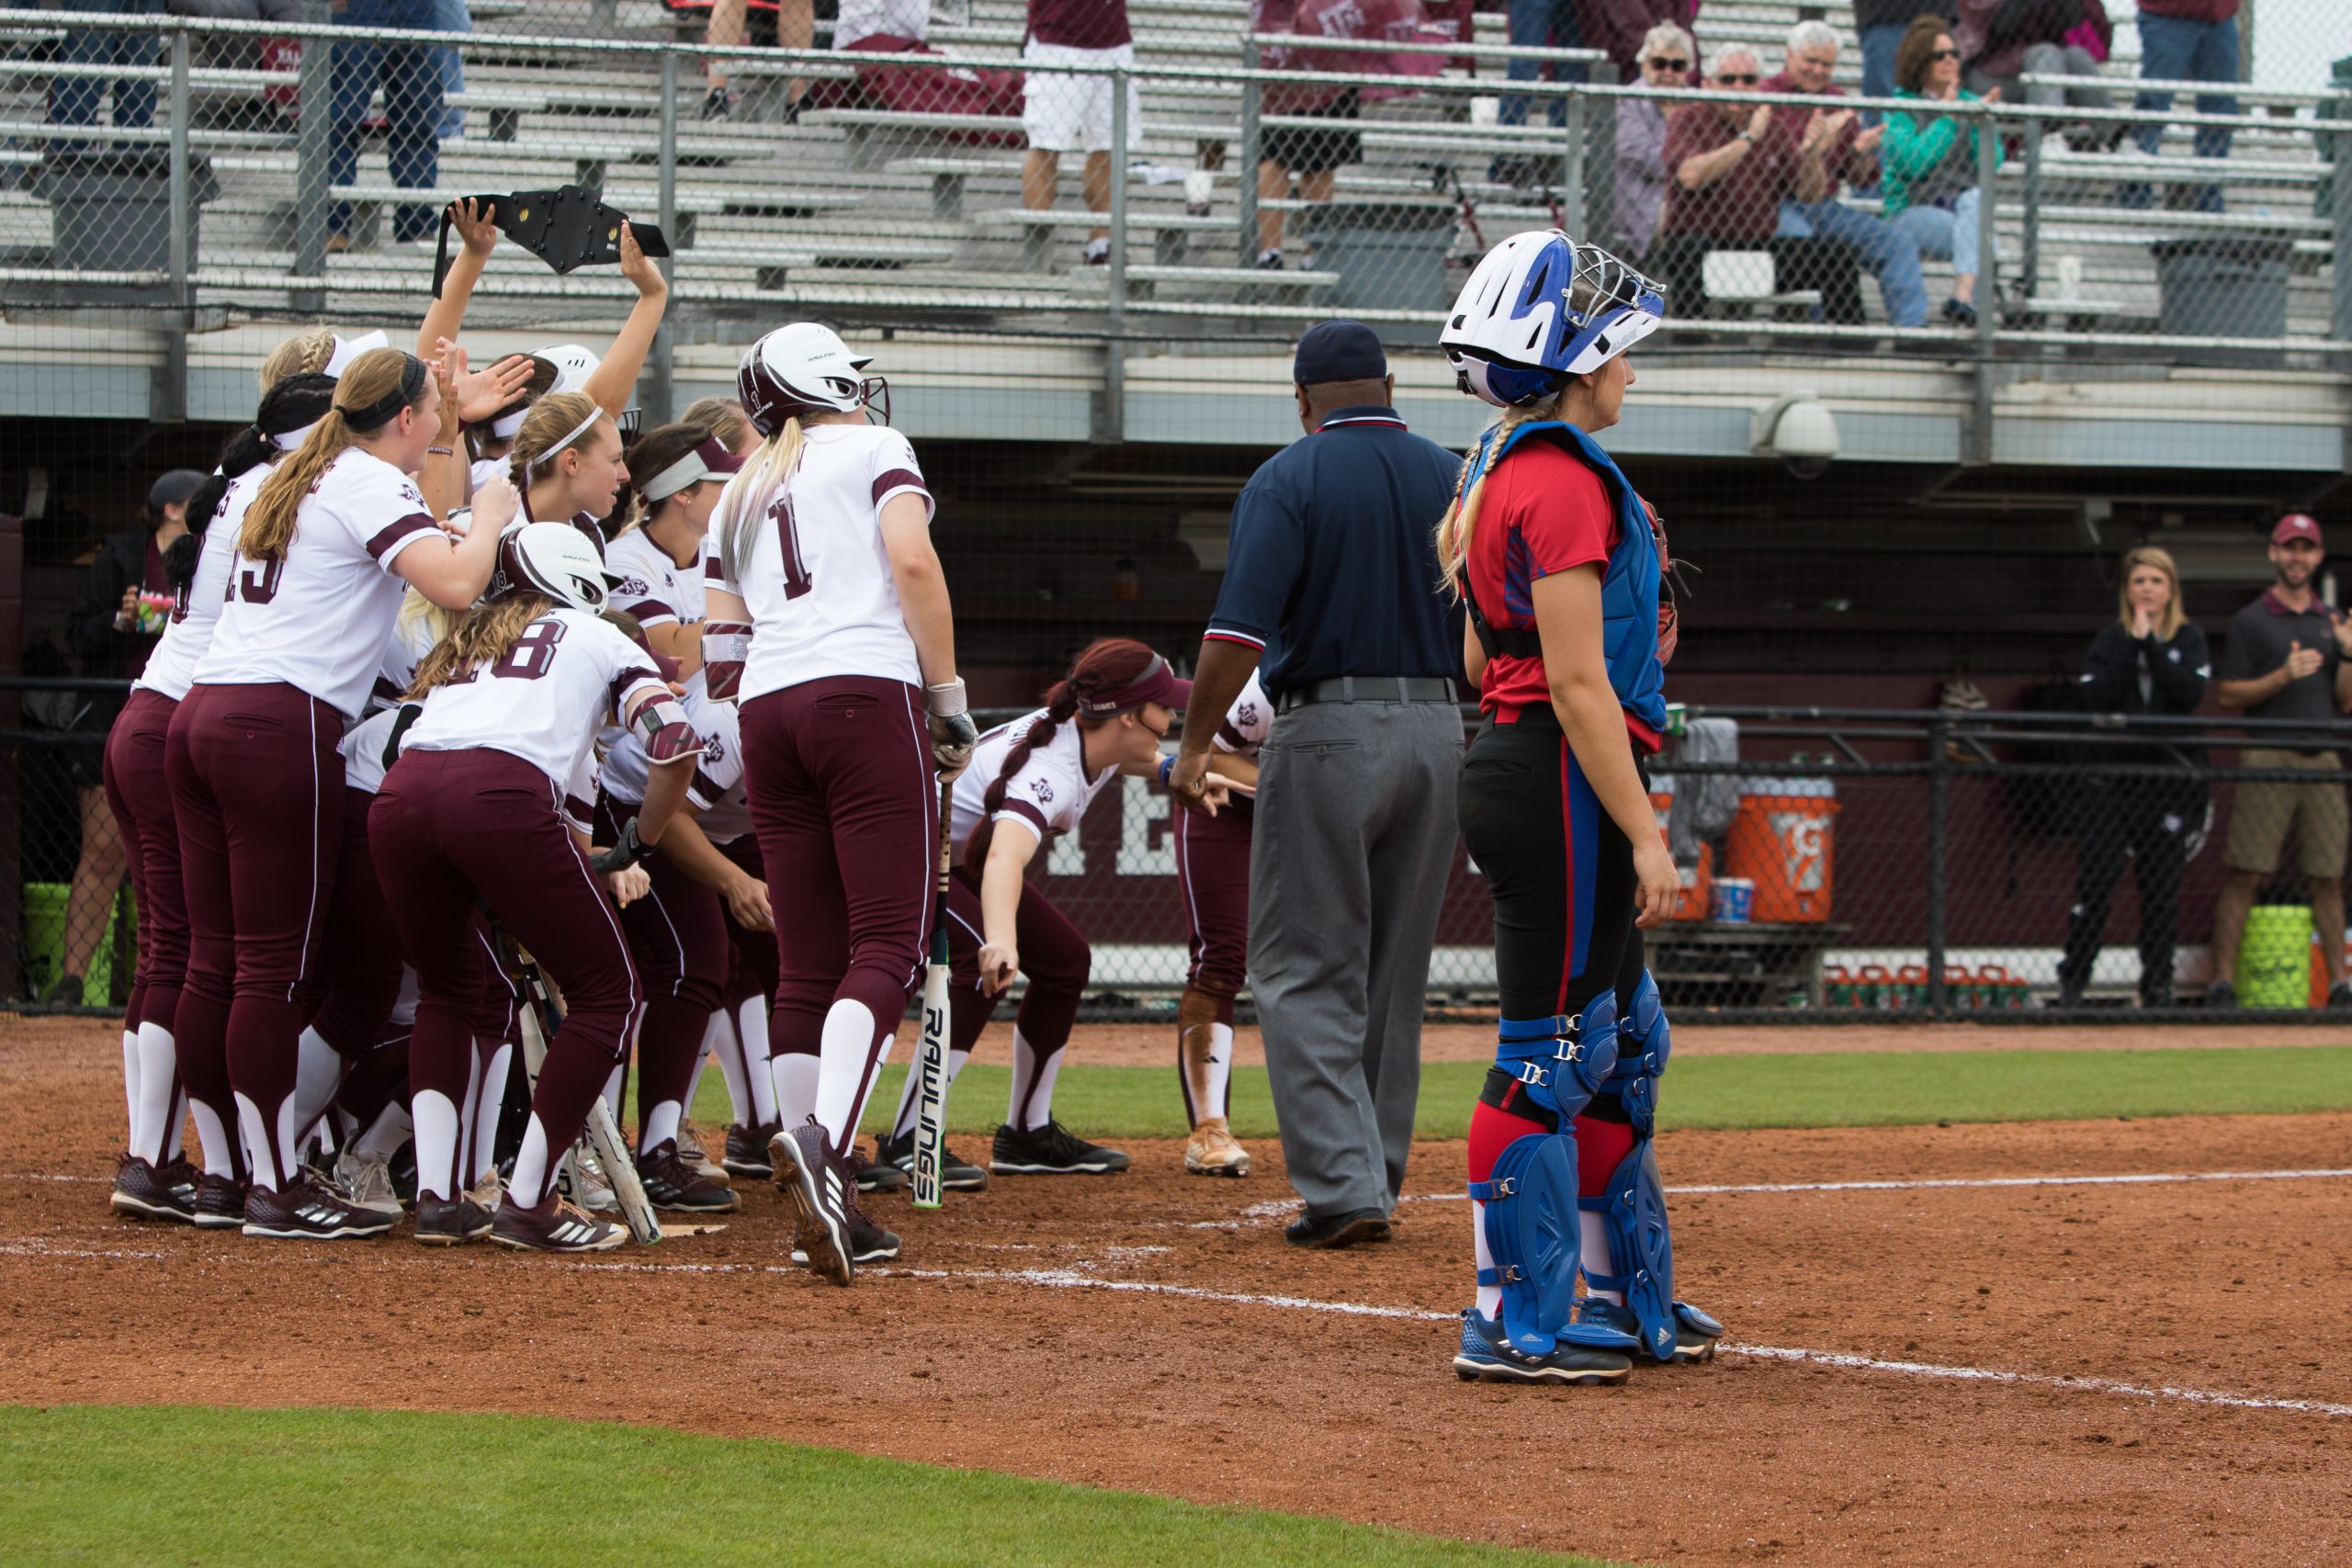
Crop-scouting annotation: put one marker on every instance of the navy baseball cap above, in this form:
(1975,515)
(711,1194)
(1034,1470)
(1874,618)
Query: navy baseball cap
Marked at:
(173,488)
(1339,350)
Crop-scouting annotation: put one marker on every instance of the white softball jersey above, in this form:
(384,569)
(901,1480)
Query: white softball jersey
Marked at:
(317,617)
(716,788)
(544,699)
(816,576)
(171,668)
(1245,723)
(1048,795)
(652,586)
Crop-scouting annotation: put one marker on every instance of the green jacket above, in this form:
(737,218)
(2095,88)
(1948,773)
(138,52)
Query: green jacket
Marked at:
(1916,144)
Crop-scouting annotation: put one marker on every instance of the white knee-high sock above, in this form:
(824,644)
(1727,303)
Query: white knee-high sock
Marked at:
(660,1124)
(152,1110)
(1220,1070)
(1033,1083)
(843,1046)
(718,1040)
(792,1080)
(482,1121)
(694,1082)
(1490,1297)
(131,1089)
(532,1168)
(1593,1233)
(219,1156)
(857,1111)
(381,1138)
(751,1039)
(318,1073)
(437,1132)
(904,1123)
(613,1088)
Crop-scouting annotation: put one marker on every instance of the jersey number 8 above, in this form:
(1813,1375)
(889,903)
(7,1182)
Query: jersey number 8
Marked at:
(530,657)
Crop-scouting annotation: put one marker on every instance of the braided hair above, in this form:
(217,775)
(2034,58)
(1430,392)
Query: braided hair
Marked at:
(293,403)
(1106,665)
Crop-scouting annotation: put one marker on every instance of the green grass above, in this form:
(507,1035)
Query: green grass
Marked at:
(104,1484)
(1827,1089)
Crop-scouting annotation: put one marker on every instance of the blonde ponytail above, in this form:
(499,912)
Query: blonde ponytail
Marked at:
(487,633)
(374,378)
(743,506)
(300,355)
(1454,529)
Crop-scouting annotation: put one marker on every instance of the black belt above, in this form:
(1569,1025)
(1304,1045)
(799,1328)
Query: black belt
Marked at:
(1368,689)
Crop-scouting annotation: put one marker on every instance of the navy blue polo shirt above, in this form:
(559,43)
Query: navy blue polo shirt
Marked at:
(1332,568)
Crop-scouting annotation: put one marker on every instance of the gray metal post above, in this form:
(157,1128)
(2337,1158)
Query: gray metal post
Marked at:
(2340,316)
(171,399)
(1572,182)
(661,393)
(2029,262)
(1980,434)
(1939,880)
(1246,250)
(1114,348)
(316,91)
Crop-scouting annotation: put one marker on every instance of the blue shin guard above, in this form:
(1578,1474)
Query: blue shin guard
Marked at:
(1530,1220)
(1633,1206)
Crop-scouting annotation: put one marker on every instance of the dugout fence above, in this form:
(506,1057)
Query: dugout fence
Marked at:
(1896,865)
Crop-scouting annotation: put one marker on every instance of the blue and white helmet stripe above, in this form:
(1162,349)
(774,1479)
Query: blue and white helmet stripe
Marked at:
(1515,333)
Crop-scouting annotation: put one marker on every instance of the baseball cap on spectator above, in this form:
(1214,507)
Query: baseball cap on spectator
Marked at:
(2297,526)
(172,488)
(1338,350)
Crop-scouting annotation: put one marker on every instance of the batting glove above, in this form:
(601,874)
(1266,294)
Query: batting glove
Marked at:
(953,733)
(621,856)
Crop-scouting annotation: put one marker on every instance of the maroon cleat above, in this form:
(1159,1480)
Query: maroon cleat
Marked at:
(145,1192)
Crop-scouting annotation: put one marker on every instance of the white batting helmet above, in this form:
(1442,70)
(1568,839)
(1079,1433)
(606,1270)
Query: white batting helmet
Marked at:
(553,559)
(799,370)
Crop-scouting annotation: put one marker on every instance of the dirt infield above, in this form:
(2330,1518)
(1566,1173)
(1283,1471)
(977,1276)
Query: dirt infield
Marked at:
(1153,1331)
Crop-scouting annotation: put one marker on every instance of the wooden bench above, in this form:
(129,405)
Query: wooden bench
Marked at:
(1701,963)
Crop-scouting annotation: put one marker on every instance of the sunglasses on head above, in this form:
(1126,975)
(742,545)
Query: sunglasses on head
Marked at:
(1662,62)
(1738,79)
(1943,55)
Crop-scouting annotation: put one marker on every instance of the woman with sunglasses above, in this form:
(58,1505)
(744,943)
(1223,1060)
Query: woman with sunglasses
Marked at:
(1930,186)
(1666,57)
(257,784)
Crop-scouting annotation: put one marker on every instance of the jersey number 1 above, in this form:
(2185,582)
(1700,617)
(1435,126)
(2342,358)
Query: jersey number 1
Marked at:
(796,580)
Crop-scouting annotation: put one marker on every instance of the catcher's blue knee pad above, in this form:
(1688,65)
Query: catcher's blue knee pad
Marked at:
(1563,1062)
(1633,1206)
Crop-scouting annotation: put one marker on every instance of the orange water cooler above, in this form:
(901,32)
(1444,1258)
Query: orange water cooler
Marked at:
(1781,840)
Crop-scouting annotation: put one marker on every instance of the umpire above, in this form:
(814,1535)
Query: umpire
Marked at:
(1332,590)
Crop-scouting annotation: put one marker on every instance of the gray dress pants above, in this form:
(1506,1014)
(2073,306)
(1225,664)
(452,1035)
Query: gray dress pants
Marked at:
(1348,864)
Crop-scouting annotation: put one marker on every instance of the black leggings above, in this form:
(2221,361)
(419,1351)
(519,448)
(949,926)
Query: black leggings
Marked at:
(1561,873)
(2151,818)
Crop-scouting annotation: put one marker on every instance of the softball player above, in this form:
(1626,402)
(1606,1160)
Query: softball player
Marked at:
(678,473)
(256,780)
(829,616)
(1032,781)
(1558,563)
(474,810)
(154,1181)
(1213,872)
(566,462)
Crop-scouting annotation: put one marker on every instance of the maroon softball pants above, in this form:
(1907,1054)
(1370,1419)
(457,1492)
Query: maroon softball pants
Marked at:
(1054,959)
(139,794)
(1213,873)
(450,829)
(677,933)
(258,795)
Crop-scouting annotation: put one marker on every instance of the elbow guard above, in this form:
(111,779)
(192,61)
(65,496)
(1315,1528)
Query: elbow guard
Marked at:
(660,725)
(725,646)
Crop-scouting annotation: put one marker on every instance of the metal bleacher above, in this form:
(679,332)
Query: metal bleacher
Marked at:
(859,208)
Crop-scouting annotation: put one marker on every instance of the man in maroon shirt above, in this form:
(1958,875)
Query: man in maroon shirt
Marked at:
(1072,114)
(1729,166)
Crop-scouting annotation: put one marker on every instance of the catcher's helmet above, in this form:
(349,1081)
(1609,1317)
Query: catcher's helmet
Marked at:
(553,559)
(1539,309)
(801,369)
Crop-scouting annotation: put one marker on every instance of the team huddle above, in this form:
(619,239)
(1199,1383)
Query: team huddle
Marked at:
(493,743)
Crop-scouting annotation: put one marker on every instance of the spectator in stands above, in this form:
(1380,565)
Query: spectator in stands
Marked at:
(73,100)
(1313,155)
(2187,40)
(1882,24)
(1931,190)
(1622,31)
(1730,171)
(1537,24)
(1667,56)
(451,17)
(2285,660)
(796,27)
(1071,113)
(1830,146)
(410,75)
(2001,40)
(113,626)
(2150,660)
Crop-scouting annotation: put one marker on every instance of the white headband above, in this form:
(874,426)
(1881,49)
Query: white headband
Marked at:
(584,426)
(688,470)
(505,426)
(286,441)
(348,349)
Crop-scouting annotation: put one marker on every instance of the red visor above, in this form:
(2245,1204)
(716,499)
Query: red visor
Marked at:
(1158,683)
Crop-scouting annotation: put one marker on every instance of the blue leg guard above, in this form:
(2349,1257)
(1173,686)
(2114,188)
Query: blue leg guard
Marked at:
(1634,1206)
(1531,1200)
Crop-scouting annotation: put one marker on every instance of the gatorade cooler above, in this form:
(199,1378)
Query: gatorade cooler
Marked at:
(2275,955)
(2319,965)
(1690,903)
(1781,840)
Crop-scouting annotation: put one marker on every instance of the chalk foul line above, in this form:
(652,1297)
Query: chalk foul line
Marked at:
(2135,1179)
(2038,1380)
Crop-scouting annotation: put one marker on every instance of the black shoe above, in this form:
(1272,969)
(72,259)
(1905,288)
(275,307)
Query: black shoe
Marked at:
(446,1224)
(308,1211)
(2339,997)
(718,104)
(670,1183)
(1959,312)
(955,1174)
(747,1149)
(868,1243)
(1270,261)
(822,1197)
(874,1176)
(1334,1231)
(147,1192)
(403,1168)
(65,991)
(1051,1150)
(2221,995)
(219,1203)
